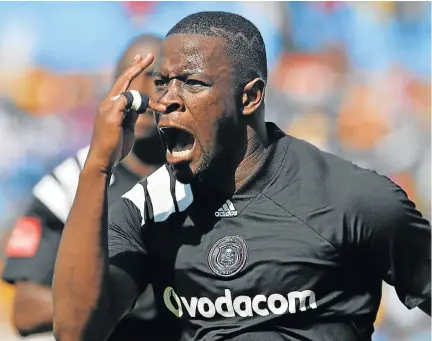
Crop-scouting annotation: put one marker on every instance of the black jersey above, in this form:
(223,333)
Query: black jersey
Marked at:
(299,252)
(32,249)
(31,258)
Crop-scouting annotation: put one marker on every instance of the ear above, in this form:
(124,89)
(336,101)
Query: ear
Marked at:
(253,96)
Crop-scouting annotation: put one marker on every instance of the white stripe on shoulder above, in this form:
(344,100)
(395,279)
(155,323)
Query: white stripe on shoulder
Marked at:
(137,196)
(52,195)
(67,174)
(158,186)
(82,156)
(58,196)
(184,195)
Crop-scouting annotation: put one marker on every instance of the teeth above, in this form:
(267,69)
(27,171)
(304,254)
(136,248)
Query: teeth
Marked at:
(181,154)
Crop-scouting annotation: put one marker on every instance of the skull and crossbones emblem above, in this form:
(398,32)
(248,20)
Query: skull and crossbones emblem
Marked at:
(228,256)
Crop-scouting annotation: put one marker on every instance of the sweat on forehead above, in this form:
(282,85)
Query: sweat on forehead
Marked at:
(241,39)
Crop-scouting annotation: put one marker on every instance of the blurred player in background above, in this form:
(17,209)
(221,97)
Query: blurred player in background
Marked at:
(34,242)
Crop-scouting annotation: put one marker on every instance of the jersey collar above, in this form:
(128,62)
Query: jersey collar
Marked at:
(258,181)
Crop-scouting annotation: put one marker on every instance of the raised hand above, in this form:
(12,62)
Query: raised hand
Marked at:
(113,132)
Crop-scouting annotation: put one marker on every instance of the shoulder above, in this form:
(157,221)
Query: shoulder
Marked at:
(376,204)
(341,201)
(56,190)
(312,177)
(312,180)
(66,171)
(159,196)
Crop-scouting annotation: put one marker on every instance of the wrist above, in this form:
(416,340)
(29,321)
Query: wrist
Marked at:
(96,163)
(95,170)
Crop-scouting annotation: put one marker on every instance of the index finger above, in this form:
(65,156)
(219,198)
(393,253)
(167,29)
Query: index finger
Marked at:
(156,106)
(138,65)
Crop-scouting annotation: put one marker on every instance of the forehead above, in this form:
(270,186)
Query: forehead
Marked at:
(188,52)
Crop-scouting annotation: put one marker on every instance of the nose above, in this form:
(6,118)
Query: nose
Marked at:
(171,98)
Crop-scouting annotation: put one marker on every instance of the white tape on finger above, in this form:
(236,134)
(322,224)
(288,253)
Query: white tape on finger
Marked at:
(137,100)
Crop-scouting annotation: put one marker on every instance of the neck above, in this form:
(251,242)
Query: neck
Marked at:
(256,151)
(227,180)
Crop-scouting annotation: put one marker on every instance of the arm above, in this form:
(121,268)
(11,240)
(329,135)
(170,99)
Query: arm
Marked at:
(31,253)
(92,290)
(32,308)
(398,239)
(90,297)
(33,247)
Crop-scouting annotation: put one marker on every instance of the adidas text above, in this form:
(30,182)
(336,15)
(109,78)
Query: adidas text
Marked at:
(226,214)
(227,210)
(243,306)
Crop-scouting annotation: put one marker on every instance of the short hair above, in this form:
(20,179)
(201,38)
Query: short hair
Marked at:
(244,43)
(141,40)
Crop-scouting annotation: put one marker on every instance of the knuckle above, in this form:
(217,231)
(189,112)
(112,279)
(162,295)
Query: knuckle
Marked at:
(113,120)
(112,110)
(120,103)
(128,74)
(103,109)
(126,71)
(128,77)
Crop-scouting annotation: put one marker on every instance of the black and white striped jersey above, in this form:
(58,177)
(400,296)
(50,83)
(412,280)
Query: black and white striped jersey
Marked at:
(299,252)
(32,249)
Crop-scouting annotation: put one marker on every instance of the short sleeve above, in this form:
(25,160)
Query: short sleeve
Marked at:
(35,239)
(32,248)
(398,240)
(125,244)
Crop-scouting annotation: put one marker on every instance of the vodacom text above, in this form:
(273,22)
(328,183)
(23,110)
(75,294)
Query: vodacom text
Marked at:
(244,306)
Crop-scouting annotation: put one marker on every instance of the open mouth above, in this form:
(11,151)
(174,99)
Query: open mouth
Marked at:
(179,143)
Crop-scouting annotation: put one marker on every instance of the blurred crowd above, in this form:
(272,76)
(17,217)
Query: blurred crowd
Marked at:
(353,78)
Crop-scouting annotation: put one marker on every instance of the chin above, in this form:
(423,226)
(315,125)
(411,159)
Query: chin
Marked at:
(195,169)
(189,171)
(182,173)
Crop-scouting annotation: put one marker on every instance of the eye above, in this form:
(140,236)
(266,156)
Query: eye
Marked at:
(160,84)
(194,83)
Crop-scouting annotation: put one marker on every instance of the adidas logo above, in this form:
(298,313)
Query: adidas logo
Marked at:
(227,210)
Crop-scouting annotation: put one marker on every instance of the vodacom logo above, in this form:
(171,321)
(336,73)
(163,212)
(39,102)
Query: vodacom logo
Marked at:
(244,306)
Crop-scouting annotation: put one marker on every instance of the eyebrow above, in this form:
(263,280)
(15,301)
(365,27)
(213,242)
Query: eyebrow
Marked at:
(158,74)
(185,73)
